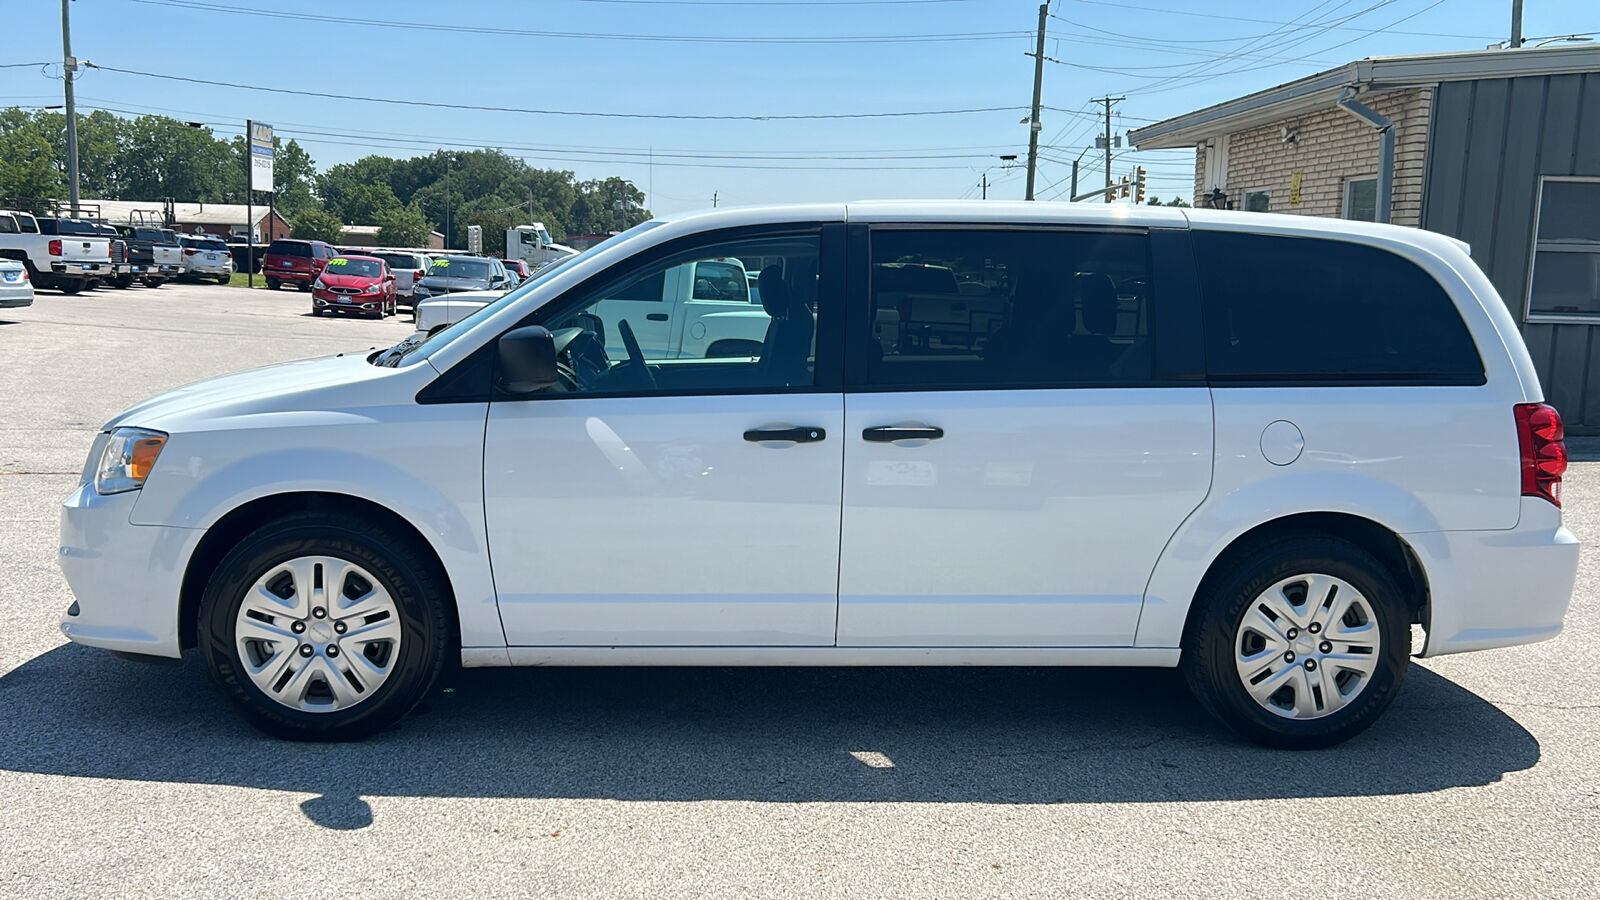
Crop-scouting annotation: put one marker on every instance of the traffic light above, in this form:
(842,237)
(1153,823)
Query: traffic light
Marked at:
(1138,185)
(1124,190)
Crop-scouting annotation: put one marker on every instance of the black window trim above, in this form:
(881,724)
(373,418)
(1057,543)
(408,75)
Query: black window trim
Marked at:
(1182,372)
(472,379)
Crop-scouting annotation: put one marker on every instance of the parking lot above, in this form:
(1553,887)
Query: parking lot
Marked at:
(122,778)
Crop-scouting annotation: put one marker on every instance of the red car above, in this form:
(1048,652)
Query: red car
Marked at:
(519,270)
(295,262)
(355,286)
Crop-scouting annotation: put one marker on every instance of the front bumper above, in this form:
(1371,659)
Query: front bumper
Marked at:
(1498,588)
(126,578)
(324,302)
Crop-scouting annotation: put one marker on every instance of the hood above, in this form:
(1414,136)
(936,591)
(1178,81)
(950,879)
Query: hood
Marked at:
(443,283)
(290,386)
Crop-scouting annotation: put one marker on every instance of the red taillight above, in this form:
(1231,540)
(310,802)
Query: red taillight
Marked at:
(55,248)
(190,252)
(1542,439)
(419,275)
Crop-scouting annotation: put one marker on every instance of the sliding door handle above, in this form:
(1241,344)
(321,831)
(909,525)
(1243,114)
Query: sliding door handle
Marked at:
(801,435)
(888,433)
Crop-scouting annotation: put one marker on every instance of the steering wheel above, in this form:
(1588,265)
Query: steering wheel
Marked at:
(635,355)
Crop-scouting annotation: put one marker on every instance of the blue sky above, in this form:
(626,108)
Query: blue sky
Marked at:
(1166,56)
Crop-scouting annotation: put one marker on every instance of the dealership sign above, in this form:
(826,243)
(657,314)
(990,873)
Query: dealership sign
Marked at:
(260,156)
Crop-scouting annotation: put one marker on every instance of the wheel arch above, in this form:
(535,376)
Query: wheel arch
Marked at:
(1397,556)
(232,527)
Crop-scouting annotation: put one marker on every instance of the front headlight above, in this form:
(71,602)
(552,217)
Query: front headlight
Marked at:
(318,285)
(126,462)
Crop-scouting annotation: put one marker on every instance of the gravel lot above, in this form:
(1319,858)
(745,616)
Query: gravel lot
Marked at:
(128,779)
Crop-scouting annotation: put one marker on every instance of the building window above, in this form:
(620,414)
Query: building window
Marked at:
(1565,281)
(1361,199)
(1257,201)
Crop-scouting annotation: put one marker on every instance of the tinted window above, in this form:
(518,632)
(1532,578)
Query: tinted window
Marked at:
(1304,309)
(1008,308)
(289,248)
(8,225)
(400,260)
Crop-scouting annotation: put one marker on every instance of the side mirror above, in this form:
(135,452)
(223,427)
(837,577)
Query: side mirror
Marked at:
(527,359)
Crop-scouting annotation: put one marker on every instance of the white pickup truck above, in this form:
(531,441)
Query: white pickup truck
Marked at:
(65,254)
(696,310)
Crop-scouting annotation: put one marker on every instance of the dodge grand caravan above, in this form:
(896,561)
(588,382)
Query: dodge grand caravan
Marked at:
(1258,448)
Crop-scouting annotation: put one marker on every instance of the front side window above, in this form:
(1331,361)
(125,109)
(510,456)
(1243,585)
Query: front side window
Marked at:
(646,332)
(1361,199)
(997,309)
(1565,283)
(1296,310)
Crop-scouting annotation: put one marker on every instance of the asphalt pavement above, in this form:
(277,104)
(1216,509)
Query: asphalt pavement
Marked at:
(118,778)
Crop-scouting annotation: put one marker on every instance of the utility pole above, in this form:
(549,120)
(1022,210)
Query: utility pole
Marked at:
(1038,84)
(713,199)
(985,184)
(1108,100)
(69,66)
(1074,191)
(1516,31)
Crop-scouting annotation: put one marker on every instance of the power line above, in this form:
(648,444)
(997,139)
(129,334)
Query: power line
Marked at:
(558,112)
(435,27)
(545,154)
(757,5)
(1204,15)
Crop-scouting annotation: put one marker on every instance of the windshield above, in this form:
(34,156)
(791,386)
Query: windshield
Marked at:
(359,268)
(460,268)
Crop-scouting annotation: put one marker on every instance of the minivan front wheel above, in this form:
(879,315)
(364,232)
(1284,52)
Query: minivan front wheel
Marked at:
(320,626)
(1300,644)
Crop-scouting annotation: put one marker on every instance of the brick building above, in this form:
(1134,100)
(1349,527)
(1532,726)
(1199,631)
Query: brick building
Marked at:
(1500,148)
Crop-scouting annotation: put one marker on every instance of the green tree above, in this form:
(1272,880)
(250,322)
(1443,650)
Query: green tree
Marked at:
(28,159)
(318,225)
(605,205)
(404,227)
(367,204)
(1177,201)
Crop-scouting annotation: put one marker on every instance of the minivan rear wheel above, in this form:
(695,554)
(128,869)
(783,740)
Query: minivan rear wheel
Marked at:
(323,627)
(1300,643)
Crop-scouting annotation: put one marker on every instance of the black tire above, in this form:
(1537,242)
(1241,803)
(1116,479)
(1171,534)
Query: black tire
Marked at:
(304,286)
(71,285)
(224,279)
(273,284)
(394,558)
(122,282)
(154,282)
(1209,650)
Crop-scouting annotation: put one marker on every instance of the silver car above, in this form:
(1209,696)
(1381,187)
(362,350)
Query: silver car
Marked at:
(206,257)
(15,288)
(408,268)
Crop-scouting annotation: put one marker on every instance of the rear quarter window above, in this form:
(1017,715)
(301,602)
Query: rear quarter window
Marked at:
(1309,310)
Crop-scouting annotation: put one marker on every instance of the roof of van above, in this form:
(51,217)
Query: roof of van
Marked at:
(1046,213)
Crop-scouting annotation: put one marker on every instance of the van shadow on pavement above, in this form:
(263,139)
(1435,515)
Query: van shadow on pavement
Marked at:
(778,735)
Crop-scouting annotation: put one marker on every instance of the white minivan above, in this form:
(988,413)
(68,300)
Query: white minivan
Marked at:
(1259,448)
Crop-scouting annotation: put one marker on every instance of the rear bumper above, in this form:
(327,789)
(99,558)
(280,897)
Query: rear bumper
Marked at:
(288,275)
(1498,588)
(85,269)
(12,297)
(125,578)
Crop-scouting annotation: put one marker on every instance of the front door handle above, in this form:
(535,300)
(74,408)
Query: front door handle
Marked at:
(657,317)
(887,433)
(800,435)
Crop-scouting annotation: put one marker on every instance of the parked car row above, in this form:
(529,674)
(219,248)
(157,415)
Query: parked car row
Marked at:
(80,252)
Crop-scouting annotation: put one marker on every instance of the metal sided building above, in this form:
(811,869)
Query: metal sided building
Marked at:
(1500,148)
